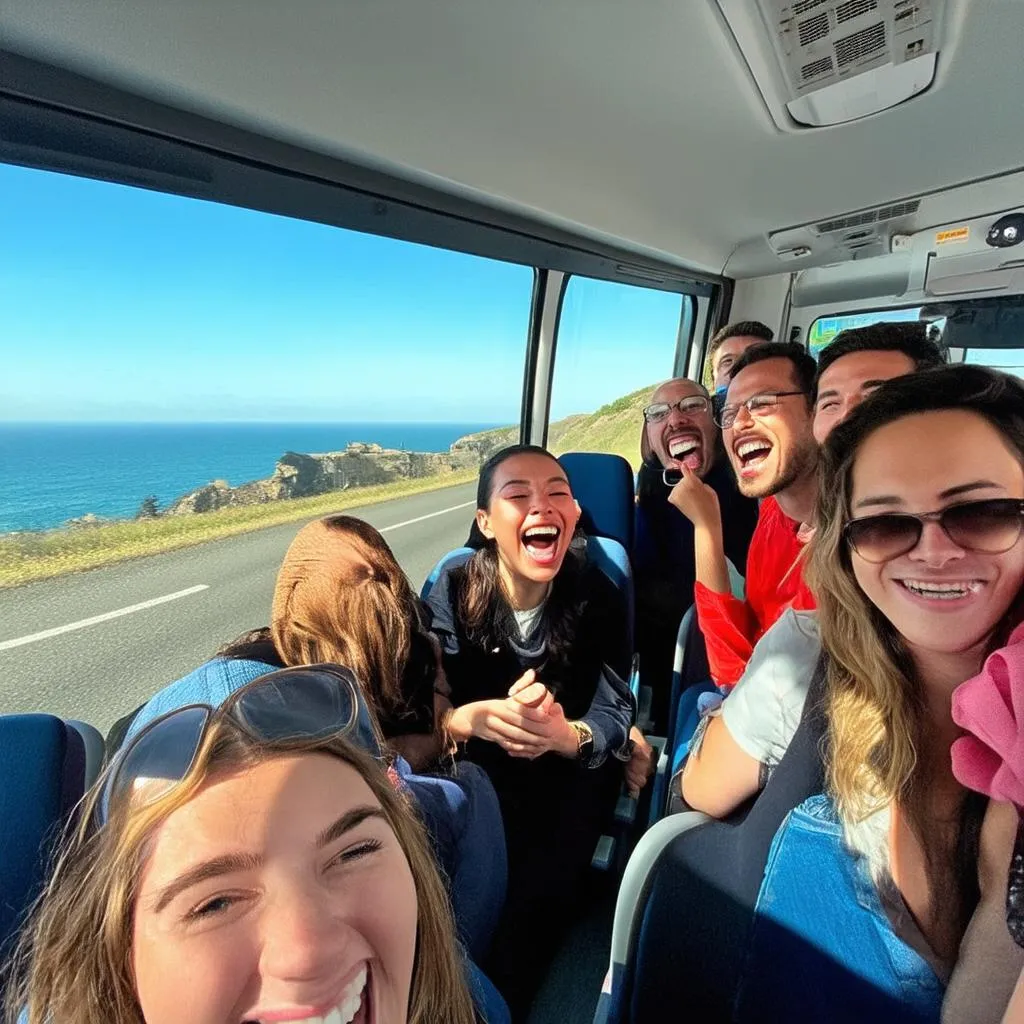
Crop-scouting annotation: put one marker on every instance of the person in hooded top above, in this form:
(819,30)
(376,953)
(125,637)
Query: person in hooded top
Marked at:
(535,648)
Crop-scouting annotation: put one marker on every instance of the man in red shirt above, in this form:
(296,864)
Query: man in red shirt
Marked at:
(767,430)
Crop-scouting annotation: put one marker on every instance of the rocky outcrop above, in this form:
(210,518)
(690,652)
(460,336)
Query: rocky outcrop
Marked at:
(302,476)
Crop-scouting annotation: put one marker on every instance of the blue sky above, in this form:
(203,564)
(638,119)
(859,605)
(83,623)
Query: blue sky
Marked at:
(122,304)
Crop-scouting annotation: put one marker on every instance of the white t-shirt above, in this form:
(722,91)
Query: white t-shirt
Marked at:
(763,710)
(528,618)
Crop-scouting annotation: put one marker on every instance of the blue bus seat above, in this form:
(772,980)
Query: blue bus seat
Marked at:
(689,667)
(603,485)
(629,908)
(698,898)
(453,558)
(42,779)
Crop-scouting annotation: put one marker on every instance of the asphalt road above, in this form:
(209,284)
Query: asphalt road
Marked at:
(99,671)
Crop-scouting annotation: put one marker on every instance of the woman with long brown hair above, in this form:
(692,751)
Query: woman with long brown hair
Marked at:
(246,863)
(342,598)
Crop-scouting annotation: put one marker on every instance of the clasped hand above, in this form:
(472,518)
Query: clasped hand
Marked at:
(527,723)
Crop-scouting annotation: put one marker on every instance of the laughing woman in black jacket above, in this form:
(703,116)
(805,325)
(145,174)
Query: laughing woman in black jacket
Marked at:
(536,648)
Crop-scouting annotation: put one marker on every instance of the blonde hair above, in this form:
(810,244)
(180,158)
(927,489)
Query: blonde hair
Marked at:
(341,597)
(73,964)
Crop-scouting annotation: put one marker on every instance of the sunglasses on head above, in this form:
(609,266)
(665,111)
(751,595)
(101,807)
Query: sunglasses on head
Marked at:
(290,705)
(990,527)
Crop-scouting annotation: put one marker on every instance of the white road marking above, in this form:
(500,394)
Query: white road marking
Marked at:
(429,515)
(6,645)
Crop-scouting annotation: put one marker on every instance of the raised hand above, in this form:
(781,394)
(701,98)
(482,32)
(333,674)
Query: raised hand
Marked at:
(697,501)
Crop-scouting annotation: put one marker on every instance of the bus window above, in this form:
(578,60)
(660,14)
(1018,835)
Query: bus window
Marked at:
(825,328)
(177,373)
(615,342)
(1009,360)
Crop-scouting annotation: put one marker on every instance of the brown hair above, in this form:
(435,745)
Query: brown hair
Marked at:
(740,329)
(73,964)
(341,597)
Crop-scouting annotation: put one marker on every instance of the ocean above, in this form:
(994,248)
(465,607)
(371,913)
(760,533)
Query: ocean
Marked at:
(52,472)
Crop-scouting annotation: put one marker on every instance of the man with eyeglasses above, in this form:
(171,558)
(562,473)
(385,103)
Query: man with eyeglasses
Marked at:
(679,439)
(736,749)
(767,433)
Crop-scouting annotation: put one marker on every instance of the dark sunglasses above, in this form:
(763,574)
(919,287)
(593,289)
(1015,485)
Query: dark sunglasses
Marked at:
(990,526)
(293,704)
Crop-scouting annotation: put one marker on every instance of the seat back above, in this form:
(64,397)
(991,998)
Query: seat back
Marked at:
(629,905)
(453,558)
(94,747)
(603,485)
(42,779)
(689,668)
(700,900)
(611,558)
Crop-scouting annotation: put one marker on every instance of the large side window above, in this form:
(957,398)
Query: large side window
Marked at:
(615,342)
(189,382)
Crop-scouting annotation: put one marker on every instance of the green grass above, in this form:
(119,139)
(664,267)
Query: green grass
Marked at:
(25,557)
(615,428)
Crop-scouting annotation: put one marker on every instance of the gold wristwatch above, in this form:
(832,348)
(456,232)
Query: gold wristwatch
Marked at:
(584,740)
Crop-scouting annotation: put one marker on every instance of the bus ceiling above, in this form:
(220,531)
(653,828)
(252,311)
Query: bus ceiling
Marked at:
(657,138)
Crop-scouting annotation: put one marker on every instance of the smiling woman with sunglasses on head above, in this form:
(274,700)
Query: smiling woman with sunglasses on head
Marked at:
(247,864)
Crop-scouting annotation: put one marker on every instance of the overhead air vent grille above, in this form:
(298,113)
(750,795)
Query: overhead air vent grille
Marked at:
(803,6)
(854,9)
(862,217)
(904,209)
(813,28)
(823,62)
(821,66)
(865,43)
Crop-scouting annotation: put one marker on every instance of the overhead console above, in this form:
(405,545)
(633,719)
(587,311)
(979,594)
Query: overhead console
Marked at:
(819,63)
(981,255)
(976,256)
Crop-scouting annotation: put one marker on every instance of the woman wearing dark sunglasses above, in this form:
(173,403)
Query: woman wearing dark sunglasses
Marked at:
(247,864)
(918,567)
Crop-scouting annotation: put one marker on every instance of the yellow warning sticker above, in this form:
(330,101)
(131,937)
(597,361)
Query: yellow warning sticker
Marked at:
(960,234)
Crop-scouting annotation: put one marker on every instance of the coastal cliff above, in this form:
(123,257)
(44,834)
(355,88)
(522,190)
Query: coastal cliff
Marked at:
(302,476)
(613,428)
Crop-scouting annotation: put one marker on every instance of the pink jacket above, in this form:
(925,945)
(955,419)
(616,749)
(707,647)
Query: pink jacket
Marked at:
(990,707)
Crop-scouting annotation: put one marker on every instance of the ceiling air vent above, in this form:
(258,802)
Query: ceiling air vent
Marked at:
(862,217)
(878,215)
(823,62)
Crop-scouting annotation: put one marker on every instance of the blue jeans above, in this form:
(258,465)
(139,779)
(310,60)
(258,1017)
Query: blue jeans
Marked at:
(822,947)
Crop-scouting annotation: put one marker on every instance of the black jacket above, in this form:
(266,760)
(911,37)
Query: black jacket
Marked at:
(587,679)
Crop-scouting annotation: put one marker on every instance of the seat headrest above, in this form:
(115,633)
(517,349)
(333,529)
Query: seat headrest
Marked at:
(603,485)
(212,683)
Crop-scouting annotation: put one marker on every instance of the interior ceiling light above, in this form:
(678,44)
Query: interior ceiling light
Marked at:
(823,62)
